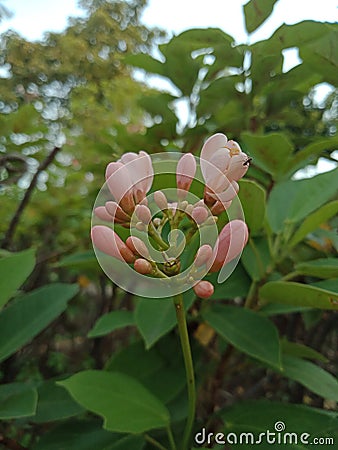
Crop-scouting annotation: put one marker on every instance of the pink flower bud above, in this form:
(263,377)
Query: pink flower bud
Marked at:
(143,214)
(230,243)
(204,289)
(143,266)
(185,172)
(203,255)
(161,200)
(137,246)
(117,212)
(102,214)
(107,241)
(199,214)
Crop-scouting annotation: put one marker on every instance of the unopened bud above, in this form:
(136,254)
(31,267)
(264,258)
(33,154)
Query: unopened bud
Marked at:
(203,289)
(203,255)
(161,200)
(137,246)
(199,214)
(143,266)
(143,214)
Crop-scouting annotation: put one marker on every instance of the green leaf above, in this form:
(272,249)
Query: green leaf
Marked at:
(110,322)
(86,435)
(80,261)
(17,400)
(156,317)
(237,285)
(262,415)
(301,351)
(256,12)
(253,199)
(256,257)
(125,405)
(146,62)
(14,270)
(294,200)
(297,294)
(321,268)
(328,285)
(54,404)
(275,309)
(248,331)
(313,221)
(270,151)
(311,376)
(30,314)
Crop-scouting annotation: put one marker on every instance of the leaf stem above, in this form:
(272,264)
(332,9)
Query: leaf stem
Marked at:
(156,236)
(189,369)
(171,439)
(154,442)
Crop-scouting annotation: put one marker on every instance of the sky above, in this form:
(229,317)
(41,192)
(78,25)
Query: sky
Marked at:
(33,17)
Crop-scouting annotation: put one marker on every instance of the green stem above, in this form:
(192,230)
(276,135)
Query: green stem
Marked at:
(189,369)
(157,238)
(154,442)
(171,439)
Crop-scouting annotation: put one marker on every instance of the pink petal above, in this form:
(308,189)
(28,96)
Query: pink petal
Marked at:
(107,241)
(143,266)
(143,214)
(118,180)
(212,144)
(237,167)
(204,289)
(230,243)
(227,195)
(203,255)
(199,214)
(103,214)
(185,171)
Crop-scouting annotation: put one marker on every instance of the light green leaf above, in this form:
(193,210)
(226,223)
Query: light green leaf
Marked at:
(17,400)
(14,270)
(248,331)
(146,62)
(125,405)
(311,376)
(54,404)
(297,294)
(301,351)
(320,268)
(275,309)
(256,12)
(313,221)
(110,322)
(256,257)
(156,317)
(262,415)
(270,151)
(30,314)
(253,199)
(294,200)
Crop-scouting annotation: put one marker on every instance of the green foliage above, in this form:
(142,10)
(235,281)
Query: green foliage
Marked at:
(268,332)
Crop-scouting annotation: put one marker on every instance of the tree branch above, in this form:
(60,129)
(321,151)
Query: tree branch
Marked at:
(6,243)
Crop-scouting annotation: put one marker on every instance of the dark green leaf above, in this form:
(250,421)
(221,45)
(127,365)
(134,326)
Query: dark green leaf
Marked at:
(14,270)
(293,201)
(311,376)
(270,152)
(237,285)
(54,404)
(125,405)
(17,400)
(313,221)
(156,317)
(256,12)
(301,351)
(248,331)
(256,257)
(320,268)
(110,322)
(297,294)
(253,199)
(30,314)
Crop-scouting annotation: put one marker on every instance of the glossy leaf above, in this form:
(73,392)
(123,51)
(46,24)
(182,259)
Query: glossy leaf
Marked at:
(256,12)
(256,257)
(253,200)
(248,331)
(86,435)
(14,269)
(301,351)
(270,152)
(17,400)
(311,376)
(30,314)
(156,317)
(313,221)
(125,405)
(297,294)
(262,415)
(54,403)
(293,201)
(110,322)
(320,268)
(237,285)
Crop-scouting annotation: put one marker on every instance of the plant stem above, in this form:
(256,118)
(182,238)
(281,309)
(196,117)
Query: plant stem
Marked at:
(154,442)
(157,238)
(189,369)
(171,439)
